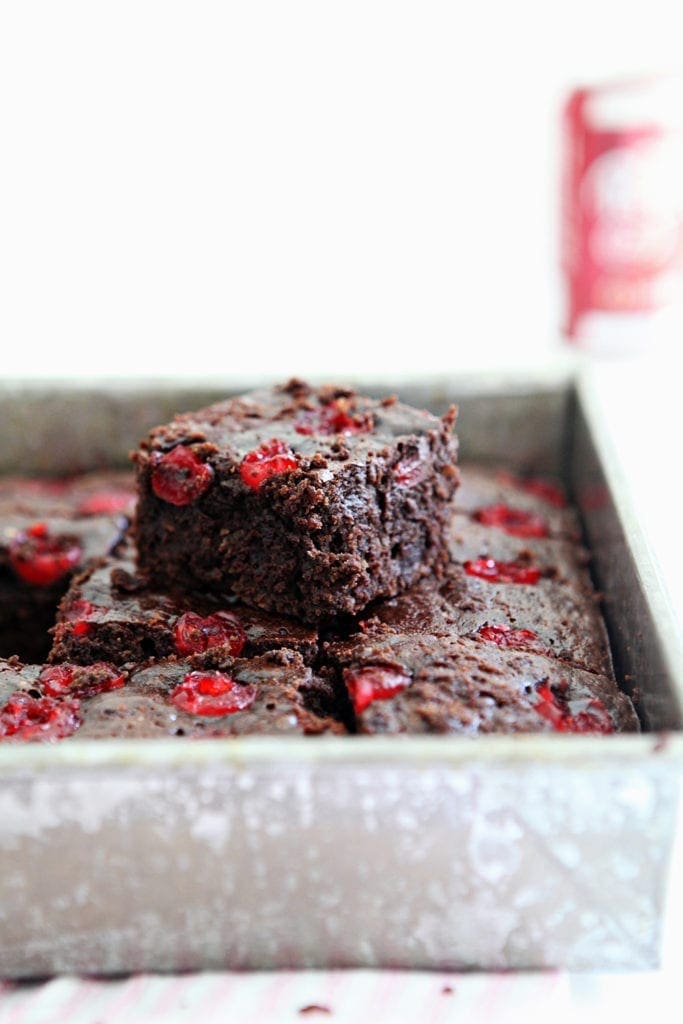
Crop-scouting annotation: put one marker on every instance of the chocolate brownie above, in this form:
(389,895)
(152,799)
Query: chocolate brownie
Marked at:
(88,494)
(563,616)
(37,561)
(536,583)
(415,684)
(110,614)
(555,558)
(527,506)
(274,694)
(308,503)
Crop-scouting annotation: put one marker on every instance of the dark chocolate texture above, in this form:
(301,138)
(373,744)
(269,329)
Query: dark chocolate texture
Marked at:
(458,685)
(33,580)
(355,505)
(111,614)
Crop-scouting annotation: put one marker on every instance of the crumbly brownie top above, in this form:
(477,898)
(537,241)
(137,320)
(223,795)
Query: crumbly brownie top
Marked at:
(323,428)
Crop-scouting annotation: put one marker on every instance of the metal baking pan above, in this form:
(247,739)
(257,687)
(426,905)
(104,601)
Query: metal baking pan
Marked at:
(426,852)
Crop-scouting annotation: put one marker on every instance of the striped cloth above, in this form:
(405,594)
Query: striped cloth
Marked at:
(289,996)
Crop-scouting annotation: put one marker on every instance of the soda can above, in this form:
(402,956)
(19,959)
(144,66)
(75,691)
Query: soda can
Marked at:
(622,216)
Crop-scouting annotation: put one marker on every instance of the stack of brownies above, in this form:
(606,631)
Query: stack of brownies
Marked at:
(300,561)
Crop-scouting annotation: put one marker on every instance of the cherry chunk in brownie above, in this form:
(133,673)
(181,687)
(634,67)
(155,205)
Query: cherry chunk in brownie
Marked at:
(275,694)
(421,683)
(521,505)
(304,502)
(38,558)
(111,614)
(100,493)
(533,592)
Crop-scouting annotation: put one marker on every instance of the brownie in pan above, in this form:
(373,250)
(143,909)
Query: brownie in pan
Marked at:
(272,694)
(450,684)
(38,558)
(105,492)
(533,505)
(110,613)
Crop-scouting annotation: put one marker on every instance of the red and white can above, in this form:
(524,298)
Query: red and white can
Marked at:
(622,238)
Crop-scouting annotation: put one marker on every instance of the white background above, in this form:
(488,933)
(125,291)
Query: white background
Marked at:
(256,187)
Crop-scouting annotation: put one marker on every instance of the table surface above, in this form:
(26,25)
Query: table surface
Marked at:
(640,403)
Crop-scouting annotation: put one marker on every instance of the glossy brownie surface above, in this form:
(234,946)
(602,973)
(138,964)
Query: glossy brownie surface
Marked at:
(273,694)
(418,683)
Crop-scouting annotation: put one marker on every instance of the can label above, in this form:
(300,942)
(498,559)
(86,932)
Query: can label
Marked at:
(622,216)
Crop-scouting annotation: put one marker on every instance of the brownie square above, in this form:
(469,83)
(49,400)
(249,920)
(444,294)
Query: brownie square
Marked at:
(555,558)
(110,613)
(308,503)
(563,616)
(274,694)
(37,561)
(497,494)
(420,683)
(531,583)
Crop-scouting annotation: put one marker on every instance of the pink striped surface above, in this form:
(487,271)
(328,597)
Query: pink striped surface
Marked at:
(267,998)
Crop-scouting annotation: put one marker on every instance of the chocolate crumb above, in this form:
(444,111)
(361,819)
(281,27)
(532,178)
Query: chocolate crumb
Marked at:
(125,582)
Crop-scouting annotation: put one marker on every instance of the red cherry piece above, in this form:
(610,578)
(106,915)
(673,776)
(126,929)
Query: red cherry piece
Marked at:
(57,679)
(79,681)
(194,634)
(506,636)
(38,718)
(550,492)
(546,490)
(105,503)
(271,458)
(377,682)
(516,522)
(44,487)
(595,718)
(41,559)
(179,476)
(408,472)
(81,609)
(554,707)
(503,572)
(212,693)
(81,613)
(334,418)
